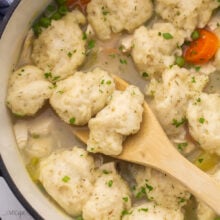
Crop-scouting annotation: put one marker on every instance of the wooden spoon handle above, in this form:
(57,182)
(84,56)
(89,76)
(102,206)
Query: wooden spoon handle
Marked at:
(200,184)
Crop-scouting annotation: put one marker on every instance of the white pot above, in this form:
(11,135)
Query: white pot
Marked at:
(15,26)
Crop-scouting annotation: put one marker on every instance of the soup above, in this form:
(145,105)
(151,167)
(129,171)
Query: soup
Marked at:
(63,81)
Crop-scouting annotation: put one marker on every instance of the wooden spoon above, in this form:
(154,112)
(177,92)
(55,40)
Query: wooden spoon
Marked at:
(151,147)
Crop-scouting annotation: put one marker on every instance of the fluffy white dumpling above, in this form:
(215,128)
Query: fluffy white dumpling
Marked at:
(79,97)
(107,16)
(154,48)
(186,14)
(120,118)
(60,48)
(158,187)
(27,90)
(173,92)
(151,211)
(68,178)
(203,117)
(110,196)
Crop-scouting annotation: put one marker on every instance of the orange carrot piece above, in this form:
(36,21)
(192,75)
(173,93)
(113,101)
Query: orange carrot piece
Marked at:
(81,4)
(203,49)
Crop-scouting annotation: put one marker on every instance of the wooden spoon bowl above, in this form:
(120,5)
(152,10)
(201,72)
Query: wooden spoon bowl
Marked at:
(151,147)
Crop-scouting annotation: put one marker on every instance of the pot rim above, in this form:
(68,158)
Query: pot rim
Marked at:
(3,168)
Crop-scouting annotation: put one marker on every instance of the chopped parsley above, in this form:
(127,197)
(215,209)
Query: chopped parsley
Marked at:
(66,179)
(69,54)
(197,68)
(198,100)
(48,75)
(105,12)
(180,61)
(193,79)
(84,37)
(149,187)
(60,92)
(141,193)
(181,146)
(145,74)
(72,121)
(123,61)
(91,44)
(125,199)
(200,160)
(181,200)
(110,183)
(55,78)
(125,212)
(195,35)
(106,172)
(177,123)
(143,210)
(109,82)
(121,47)
(167,36)
(201,120)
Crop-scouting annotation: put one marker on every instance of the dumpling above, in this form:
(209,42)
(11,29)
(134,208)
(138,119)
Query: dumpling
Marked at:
(171,94)
(68,177)
(159,188)
(107,16)
(110,196)
(79,97)
(153,49)
(203,117)
(27,90)
(59,52)
(120,118)
(151,211)
(186,14)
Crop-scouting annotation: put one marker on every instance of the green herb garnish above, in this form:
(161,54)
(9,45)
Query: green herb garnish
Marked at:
(201,120)
(167,36)
(110,183)
(91,44)
(123,61)
(195,35)
(125,212)
(177,123)
(72,121)
(145,74)
(66,179)
(181,146)
(180,61)
(125,199)
(143,209)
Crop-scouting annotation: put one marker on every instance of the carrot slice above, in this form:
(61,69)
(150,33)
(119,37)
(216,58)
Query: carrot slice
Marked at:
(203,49)
(81,4)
